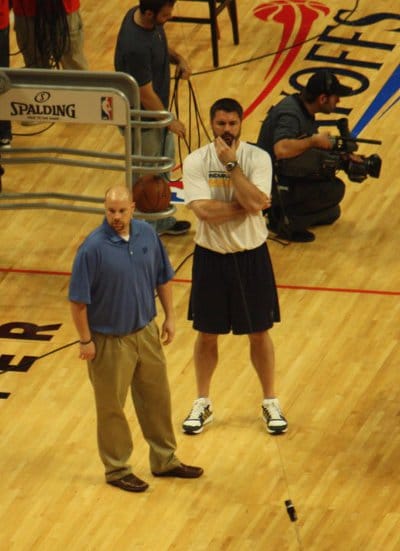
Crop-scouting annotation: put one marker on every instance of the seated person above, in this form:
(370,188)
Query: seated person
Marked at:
(303,194)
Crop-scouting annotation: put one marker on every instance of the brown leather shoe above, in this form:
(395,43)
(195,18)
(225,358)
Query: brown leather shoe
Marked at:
(129,483)
(183,471)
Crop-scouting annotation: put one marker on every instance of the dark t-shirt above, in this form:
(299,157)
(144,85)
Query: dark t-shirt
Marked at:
(143,54)
(289,119)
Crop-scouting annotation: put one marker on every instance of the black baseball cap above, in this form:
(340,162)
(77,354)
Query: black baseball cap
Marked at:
(326,82)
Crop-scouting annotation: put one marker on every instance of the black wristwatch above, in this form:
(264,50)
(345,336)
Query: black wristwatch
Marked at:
(231,165)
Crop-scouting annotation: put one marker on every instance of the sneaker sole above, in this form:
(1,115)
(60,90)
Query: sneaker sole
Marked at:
(277,431)
(200,429)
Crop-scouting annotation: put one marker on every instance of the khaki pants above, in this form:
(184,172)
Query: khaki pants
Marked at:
(137,362)
(73,58)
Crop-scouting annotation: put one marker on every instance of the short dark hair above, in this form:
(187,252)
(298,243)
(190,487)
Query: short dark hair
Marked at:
(226,104)
(154,5)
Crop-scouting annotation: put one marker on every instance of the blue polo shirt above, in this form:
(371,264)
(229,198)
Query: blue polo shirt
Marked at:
(116,279)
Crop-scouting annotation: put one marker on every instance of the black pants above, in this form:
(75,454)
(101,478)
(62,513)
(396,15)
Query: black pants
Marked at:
(5,126)
(300,204)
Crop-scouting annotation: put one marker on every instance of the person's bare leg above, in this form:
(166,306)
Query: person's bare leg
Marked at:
(263,360)
(205,361)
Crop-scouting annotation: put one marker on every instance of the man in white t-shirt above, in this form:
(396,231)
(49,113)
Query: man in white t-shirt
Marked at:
(227,184)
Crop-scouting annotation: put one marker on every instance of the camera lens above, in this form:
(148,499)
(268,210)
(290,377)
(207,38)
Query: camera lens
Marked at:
(373,165)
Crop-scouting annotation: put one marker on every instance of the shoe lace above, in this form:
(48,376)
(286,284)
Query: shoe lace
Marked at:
(197,409)
(273,410)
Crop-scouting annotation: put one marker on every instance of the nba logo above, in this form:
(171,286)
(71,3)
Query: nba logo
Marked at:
(106,108)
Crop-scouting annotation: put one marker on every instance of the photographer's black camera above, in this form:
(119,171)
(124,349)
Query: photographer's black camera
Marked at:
(340,158)
(357,172)
(320,164)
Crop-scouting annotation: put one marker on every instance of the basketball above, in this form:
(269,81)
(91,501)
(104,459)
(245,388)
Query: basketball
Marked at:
(151,193)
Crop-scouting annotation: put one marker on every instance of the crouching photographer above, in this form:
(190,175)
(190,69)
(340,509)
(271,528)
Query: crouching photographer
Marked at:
(306,190)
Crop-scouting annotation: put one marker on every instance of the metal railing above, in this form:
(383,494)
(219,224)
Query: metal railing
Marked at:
(101,98)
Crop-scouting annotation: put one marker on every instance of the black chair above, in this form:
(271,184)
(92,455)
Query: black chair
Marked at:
(215,8)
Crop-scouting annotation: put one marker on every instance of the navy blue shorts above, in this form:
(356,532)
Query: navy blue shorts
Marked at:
(233,292)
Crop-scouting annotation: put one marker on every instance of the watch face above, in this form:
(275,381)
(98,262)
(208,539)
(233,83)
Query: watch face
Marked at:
(231,165)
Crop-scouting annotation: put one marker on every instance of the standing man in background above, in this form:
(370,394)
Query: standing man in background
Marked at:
(227,185)
(142,51)
(5,126)
(115,274)
(50,34)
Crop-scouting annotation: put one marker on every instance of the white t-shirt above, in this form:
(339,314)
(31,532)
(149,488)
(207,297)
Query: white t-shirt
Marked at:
(205,177)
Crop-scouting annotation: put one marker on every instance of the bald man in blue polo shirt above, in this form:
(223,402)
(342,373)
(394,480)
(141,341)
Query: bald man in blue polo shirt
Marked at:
(115,274)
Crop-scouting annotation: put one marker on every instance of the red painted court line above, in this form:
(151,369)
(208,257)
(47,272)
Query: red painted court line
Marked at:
(178,280)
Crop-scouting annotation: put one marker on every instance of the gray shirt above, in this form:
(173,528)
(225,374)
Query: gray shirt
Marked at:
(289,119)
(143,54)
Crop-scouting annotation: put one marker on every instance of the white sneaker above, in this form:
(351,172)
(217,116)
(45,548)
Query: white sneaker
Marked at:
(5,143)
(200,415)
(273,417)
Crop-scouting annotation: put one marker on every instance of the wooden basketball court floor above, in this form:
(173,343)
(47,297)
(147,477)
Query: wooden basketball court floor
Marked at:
(337,347)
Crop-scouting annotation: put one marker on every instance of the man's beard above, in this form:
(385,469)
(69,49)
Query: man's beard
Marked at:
(228,138)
